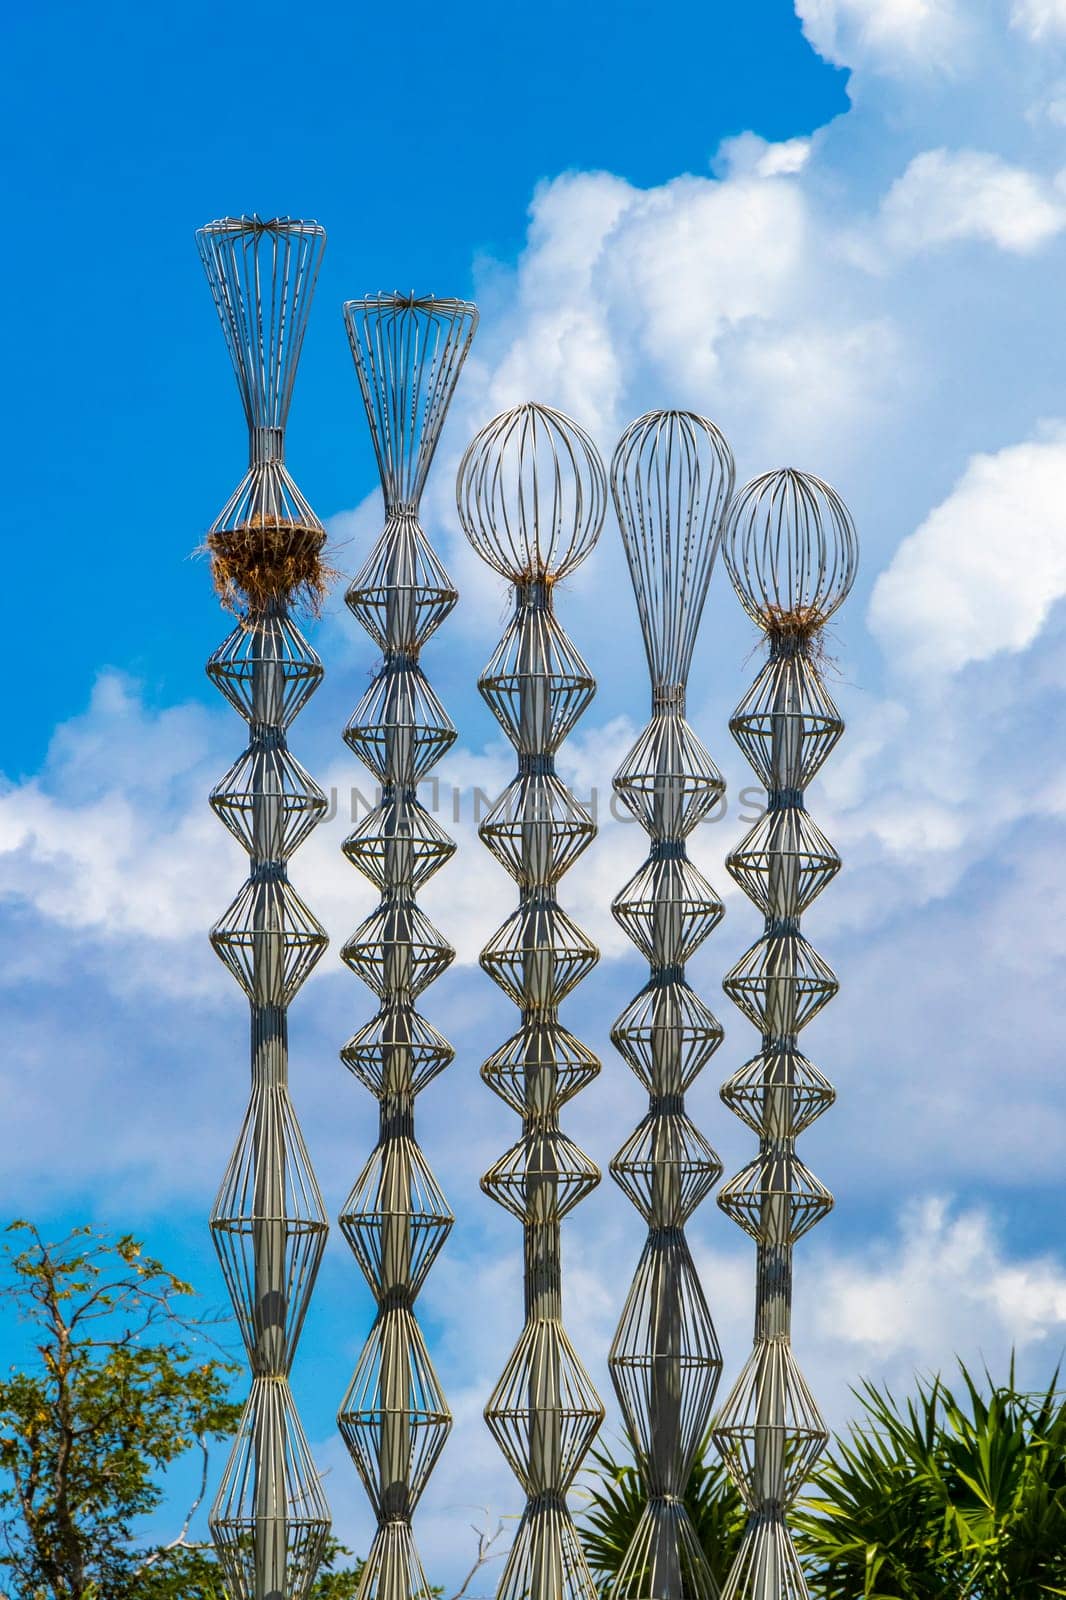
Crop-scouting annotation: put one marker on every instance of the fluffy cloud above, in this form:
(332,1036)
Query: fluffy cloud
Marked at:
(947,195)
(946,1283)
(982,572)
(896,35)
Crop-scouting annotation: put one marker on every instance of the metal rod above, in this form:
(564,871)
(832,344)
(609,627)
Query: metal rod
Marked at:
(791,550)
(269,1521)
(408,354)
(671,476)
(531,493)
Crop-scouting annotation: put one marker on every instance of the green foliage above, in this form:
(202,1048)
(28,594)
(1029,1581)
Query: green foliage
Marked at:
(121,1386)
(943,1495)
(616,1500)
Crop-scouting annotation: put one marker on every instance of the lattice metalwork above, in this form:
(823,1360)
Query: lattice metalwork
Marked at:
(671,476)
(408,355)
(270,1519)
(791,549)
(532,494)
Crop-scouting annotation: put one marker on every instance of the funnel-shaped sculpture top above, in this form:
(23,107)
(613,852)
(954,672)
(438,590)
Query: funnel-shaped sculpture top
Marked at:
(262,276)
(408,355)
(792,551)
(672,478)
(532,493)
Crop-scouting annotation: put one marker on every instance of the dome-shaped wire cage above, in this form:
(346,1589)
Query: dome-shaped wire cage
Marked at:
(531,494)
(792,551)
(671,479)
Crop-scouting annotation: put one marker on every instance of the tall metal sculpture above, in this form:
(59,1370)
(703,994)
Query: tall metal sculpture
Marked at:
(671,476)
(270,1520)
(408,355)
(791,550)
(532,494)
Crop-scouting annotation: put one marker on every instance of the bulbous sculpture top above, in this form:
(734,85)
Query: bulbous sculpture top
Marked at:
(671,478)
(531,494)
(792,551)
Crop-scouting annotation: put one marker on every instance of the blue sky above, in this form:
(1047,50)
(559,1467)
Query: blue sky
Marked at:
(840,232)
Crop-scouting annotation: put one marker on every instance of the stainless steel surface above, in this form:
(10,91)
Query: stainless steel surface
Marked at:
(532,494)
(270,1519)
(408,354)
(672,476)
(791,550)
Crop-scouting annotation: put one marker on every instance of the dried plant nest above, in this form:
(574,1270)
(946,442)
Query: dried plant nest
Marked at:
(268,559)
(799,626)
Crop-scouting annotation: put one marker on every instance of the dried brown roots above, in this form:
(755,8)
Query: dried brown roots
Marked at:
(265,559)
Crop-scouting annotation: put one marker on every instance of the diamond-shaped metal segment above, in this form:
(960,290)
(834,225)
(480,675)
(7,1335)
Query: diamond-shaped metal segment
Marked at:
(396,1219)
(270,1522)
(268,802)
(392,1570)
(399,729)
(266,669)
(539,1067)
(668,780)
(269,940)
(666,1168)
(536,684)
(779,1093)
(397,950)
(664,1557)
(769,1432)
(766,1563)
(667,1035)
(408,352)
(398,843)
(541,1178)
(544,1412)
(403,594)
(537,829)
(665,1363)
(269,1228)
(267,501)
(394,1419)
(784,863)
(775,1198)
(546,1557)
(780,984)
(539,954)
(668,909)
(786,724)
(397,1052)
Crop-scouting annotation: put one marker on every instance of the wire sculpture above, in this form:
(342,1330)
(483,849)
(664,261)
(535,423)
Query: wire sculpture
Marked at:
(671,476)
(791,550)
(408,355)
(532,494)
(270,1521)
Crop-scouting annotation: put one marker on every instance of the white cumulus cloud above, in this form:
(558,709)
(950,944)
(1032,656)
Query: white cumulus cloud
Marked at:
(895,35)
(948,195)
(982,572)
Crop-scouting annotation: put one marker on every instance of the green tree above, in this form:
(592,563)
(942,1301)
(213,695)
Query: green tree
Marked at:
(121,1385)
(943,1495)
(615,1501)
